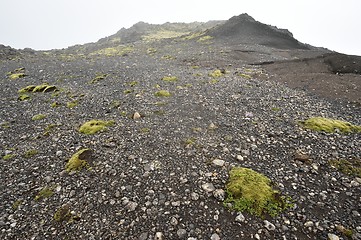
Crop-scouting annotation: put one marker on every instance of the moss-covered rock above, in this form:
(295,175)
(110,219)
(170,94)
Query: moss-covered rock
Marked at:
(64,214)
(330,125)
(78,160)
(94,126)
(162,93)
(8,156)
(98,78)
(248,190)
(72,104)
(17,73)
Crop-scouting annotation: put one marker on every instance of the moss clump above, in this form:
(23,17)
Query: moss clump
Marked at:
(170,79)
(216,73)
(128,91)
(78,160)
(151,51)
(98,78)
(45,193)
(23,97)
(38,117)
(8,156)
(39,88)
(190,141)
(17,204)
(350,167)
(30,153)
(16,75)
(330,125)
(133,83)
(94,126)
(114,51)
(243,75)
(55,104)
(205,39)
(250,191)
(72,104)
(63,214)
(162,93)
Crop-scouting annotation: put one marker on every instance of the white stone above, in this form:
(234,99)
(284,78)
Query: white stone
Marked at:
(332,236)
(218,162)
(208,187)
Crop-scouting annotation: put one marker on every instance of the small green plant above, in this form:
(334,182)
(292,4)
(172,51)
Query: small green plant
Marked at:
(216,73)
(350,167)
(330,125)
(248,190)
(55,104)
(133,83)
(214,81)
(78,160)
(205,39)
(162,93)
(275,109)
(8,156)
(63,214)
(151,51)
(46,192)
(128,91)
(190,141)
(170,78)
(45,87)
(38,117)
(48,129)
(94,126)
(98,78)
(17,73)
(144,130)
(23,97)
(30,153)
(243,75)
(168,57)
(17,204)
(72,104)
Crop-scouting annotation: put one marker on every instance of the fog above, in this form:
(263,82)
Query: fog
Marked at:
(56,24)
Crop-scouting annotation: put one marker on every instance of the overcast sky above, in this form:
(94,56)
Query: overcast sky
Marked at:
(49,24)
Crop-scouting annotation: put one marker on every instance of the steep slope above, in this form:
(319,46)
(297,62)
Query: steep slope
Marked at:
(245,29)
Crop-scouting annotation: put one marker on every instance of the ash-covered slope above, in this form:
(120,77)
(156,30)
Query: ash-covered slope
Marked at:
(245,29)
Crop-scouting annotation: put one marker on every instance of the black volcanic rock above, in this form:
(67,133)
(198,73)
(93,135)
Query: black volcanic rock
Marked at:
(245,29)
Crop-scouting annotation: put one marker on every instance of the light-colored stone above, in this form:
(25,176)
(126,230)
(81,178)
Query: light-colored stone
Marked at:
(208,187)
(136,115)
(219,194)
(218,162)
(332,236)
(215,236)
(240,158)
(269,226)
(240,218)
(158,236)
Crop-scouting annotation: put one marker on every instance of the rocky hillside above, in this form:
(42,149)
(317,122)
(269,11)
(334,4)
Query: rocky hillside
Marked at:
(223,130)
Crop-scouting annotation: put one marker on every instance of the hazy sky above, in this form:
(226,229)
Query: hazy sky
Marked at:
(49,24)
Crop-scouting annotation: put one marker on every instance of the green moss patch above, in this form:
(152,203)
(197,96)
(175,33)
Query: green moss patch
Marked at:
(30,153)
(330,125)
(23,97)
(17,73)
(170,79)
(63,214)
(38,88)
(8,156)
(17,204)
(216,73)
(205,39)
(350,167)
(72,104)
(248,190)
(162,93)
(98,78)
(46,192)
(38,117)
(94,126)
(78,160)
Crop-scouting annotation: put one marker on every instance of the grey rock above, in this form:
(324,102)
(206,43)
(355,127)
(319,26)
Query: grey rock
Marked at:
(158,236)
(143,236)
(240,218)
(269,226)
(208,187)
(240,158)
(194,196)
(131,206)
(182,233)
(219,194)
(218,162)
(215,236)
(332,236)
(308,224)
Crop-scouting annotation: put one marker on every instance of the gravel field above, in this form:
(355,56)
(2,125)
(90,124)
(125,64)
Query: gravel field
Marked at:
(160,171)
